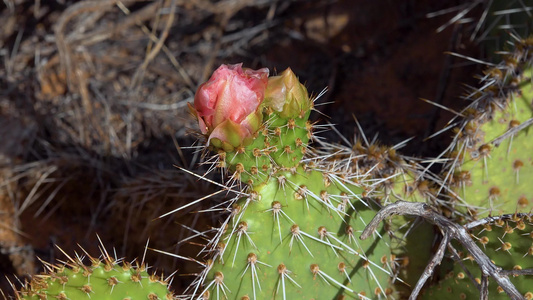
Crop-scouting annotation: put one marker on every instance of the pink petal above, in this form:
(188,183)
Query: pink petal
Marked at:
(232,94)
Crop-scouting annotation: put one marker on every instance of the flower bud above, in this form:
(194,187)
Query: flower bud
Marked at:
(287,96)
(227,105)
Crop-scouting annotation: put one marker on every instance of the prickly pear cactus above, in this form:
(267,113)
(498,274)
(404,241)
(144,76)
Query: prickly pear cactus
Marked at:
(507,242)
(293,229)
(491,163)
(103,279)
(488,174)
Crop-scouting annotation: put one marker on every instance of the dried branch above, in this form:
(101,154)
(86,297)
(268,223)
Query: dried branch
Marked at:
(512,131)
(450,230)
(428,271)
(493,219)
(457,259)
(518,272)
(484,292)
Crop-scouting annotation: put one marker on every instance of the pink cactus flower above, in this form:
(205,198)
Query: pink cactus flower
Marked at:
(227,105)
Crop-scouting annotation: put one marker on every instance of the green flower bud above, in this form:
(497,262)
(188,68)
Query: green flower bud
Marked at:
(287,96)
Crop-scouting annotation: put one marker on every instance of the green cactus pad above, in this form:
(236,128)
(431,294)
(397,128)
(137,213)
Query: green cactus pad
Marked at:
(106,280)
(509,244)
(492,162)
(296,237)
(494,179)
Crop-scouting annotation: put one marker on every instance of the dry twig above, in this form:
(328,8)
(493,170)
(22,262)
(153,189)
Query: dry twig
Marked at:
(450,230)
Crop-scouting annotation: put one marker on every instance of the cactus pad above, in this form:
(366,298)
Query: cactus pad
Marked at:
(295,237)
(106,279)
(492,162)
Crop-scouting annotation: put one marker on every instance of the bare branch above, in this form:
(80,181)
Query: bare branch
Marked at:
(518,272)
(512,131)
(428,271)
(484,293)
(491,219)
(450,230)
(455,256)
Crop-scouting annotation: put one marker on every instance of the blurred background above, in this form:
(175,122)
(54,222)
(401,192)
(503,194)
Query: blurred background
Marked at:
(93,114)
